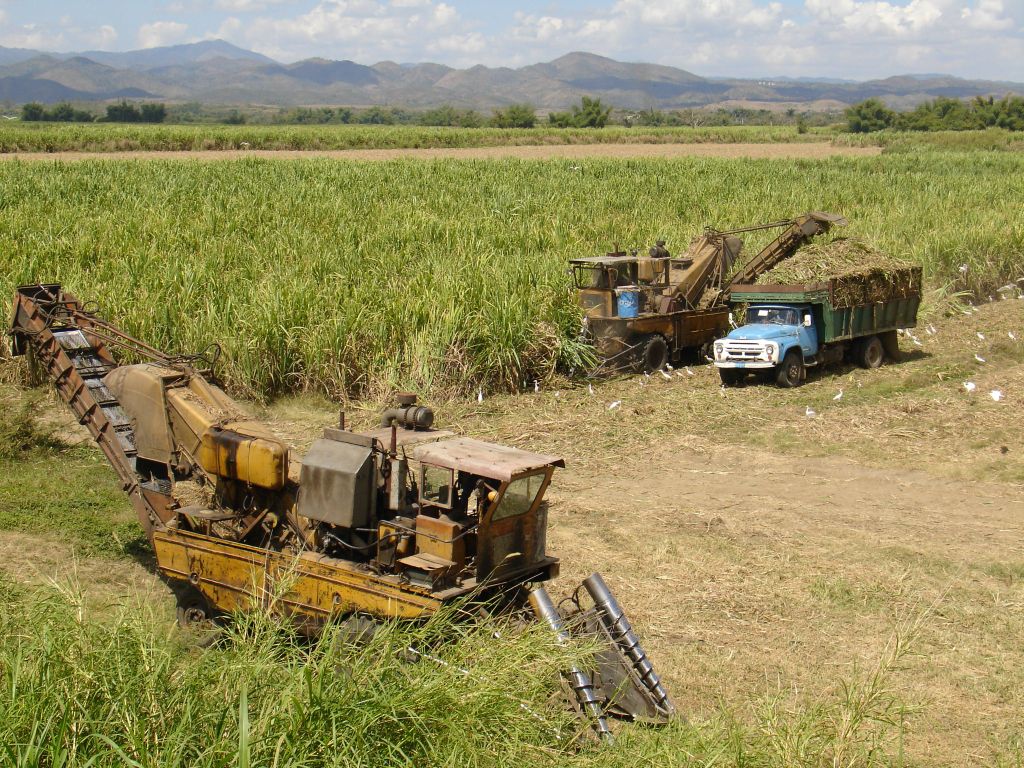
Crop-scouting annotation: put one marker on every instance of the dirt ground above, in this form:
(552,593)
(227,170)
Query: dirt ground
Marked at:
(811,151)
(768,543)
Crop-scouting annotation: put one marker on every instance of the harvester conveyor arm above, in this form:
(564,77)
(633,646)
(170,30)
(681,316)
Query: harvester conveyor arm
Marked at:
(69,344)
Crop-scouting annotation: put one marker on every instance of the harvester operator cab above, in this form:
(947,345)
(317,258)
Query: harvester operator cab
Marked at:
(492,495)
(621,284)
(443,490)
(427,507)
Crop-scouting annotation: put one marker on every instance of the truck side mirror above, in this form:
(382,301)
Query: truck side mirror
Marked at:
(807,321)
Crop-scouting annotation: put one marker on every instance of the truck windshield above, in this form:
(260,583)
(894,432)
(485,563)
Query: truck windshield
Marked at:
(519,496)
(772,316)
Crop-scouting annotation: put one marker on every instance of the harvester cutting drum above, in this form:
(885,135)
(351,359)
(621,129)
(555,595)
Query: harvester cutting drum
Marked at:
(392,523)
(623,682)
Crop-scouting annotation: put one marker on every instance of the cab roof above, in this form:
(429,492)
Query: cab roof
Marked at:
(498,462)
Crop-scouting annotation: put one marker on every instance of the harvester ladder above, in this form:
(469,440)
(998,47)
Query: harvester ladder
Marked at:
(68,344)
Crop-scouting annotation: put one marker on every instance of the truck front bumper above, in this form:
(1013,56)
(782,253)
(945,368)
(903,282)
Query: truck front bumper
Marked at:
(745,364)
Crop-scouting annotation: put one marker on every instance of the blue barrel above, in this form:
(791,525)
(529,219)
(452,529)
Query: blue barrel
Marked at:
(627,301)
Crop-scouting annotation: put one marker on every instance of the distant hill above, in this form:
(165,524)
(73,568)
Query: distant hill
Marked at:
(215,71)
(175,55)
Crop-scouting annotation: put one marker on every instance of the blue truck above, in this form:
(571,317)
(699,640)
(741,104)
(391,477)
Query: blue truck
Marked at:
(790,328)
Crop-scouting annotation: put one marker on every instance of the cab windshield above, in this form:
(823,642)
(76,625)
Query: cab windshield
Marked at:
(772,316)
(519,496)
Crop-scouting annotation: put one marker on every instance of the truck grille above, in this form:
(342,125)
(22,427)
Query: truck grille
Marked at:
(745,350)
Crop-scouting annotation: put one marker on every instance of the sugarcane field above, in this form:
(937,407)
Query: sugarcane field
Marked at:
(389,447)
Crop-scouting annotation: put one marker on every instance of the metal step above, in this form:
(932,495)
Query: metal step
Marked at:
(72,339)
(87,363)
(99,392)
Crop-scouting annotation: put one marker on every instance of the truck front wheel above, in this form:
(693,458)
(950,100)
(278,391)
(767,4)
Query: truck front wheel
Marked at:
(731,376)
(870,353)
(791,372)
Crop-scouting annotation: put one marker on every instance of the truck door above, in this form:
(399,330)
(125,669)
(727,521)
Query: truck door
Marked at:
(808,333)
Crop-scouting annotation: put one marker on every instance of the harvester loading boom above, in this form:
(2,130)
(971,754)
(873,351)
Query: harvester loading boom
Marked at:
(797,233)
(390,523)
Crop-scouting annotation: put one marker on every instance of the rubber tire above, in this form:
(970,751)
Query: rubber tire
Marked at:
(731,376)
(654,353)
(870,353)
(197,618)
(790,372)
(193,608)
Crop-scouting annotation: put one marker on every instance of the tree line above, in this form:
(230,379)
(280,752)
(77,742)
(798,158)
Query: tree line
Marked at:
(942,114)
(590,113)
(122,112)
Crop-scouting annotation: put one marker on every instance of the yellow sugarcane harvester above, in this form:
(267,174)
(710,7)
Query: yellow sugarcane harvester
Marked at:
(390,523)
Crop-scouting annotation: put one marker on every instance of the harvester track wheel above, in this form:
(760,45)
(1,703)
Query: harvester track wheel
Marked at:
(730,376)
(791,372)
(654,353)
(196,616)
(870,353)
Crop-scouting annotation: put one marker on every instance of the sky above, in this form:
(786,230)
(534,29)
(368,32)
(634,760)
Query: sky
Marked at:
(855,39)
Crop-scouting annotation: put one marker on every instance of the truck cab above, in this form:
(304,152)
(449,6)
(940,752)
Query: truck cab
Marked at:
(775,337)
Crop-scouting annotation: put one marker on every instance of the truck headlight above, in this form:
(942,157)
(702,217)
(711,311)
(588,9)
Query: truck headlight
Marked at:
(771,349)
(719,350)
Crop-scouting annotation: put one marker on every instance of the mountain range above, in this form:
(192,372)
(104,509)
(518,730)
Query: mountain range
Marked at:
(217,72)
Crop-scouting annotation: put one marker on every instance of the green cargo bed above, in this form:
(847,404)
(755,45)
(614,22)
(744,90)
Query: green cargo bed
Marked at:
(848,307)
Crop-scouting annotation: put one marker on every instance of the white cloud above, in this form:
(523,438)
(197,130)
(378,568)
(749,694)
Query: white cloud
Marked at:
(472,42)
(698,12)
(882,18)
(161,33)
(363,30)
(245,6)
(987,15)
(232,25)
(103,38)
(33,36)
(64,35)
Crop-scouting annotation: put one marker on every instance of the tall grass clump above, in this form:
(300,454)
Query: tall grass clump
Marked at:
(125,688)
(356,278)
(78,689)
(21,429)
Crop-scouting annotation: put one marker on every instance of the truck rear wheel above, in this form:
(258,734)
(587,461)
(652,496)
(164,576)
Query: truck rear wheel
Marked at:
(870,353)
(654,353)
(791,372)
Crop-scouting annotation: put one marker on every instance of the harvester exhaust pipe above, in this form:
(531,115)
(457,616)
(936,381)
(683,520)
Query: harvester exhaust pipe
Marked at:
(581,683)
(614,620)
